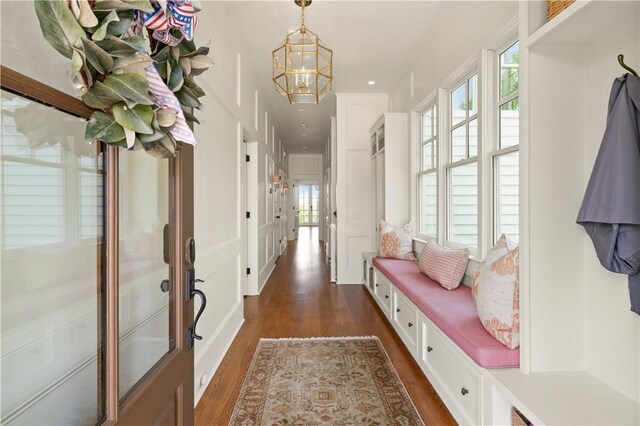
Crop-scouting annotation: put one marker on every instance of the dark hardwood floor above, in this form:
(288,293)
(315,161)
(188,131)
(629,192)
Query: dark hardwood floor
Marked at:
(299,301)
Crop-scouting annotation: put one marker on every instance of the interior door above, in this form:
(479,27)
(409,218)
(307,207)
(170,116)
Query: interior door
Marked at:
(96,318)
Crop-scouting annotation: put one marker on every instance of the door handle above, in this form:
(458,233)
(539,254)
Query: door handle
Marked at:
(191,291)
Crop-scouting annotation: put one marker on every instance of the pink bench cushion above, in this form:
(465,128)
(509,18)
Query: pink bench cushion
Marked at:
(453,311)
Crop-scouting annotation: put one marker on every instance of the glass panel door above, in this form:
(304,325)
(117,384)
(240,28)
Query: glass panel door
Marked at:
(145,334)
(52,267)
(308,205)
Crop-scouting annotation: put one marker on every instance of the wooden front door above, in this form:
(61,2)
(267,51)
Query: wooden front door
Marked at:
(97,255)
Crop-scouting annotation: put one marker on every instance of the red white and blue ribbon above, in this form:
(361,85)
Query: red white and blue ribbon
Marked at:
(164,98)
(178,14)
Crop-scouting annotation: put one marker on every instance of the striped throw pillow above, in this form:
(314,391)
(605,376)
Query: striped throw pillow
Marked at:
(443,265)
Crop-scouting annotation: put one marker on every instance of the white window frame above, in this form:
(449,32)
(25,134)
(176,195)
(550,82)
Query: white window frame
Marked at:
(495,150)
(448,165)
(431,105)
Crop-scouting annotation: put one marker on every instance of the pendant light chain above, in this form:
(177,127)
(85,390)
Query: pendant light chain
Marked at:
(303,28)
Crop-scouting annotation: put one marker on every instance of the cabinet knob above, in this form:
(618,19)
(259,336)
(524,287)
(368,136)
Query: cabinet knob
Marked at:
(410,325)
(397,309)
(429,349)
(386,296)
(377,285)
(464,391)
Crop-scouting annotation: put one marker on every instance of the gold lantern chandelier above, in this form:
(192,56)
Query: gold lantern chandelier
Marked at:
(303,65)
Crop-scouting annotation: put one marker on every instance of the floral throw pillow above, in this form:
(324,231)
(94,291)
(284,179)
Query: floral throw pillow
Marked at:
(396,243)
(495,291)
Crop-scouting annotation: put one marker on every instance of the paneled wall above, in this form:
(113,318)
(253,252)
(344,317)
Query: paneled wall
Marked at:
(234,110)
(356,113)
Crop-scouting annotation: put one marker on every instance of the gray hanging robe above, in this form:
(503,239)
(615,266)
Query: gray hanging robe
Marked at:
(610,211)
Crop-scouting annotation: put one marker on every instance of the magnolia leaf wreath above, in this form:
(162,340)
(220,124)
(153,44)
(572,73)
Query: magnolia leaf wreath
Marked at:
(134,61)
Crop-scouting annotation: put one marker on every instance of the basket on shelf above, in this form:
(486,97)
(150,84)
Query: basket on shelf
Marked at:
(517,419)
(556,6)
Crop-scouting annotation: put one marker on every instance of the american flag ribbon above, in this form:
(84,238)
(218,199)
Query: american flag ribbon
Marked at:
(164,98)
(178,14)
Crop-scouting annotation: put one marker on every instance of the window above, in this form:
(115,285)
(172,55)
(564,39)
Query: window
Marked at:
(462,169)
(505,157)
(428,173)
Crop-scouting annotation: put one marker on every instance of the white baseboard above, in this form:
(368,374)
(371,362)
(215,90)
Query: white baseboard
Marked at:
(208,360)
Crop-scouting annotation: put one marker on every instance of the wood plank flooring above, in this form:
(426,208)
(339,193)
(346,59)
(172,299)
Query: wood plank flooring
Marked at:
(299,301)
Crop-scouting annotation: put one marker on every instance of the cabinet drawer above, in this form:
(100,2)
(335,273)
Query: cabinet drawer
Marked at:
(382,292)
(460,380)
(405,317)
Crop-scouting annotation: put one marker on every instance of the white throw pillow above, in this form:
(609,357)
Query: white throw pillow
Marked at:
(396,243)
(495,291)
(443,264)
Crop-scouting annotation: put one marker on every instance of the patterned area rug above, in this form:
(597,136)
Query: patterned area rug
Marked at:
(326,381)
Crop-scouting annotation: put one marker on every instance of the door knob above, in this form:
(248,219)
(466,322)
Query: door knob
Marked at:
(164,285)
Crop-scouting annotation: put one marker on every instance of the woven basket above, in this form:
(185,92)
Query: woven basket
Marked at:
(556,6)
(517,419)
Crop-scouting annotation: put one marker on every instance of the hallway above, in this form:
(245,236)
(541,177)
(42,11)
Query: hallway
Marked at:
(299,301)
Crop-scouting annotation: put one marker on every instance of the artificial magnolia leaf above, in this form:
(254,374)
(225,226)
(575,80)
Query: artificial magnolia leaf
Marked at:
(175,52)
(59,26)
(101,96)
(130,137)
(137,118)
(81,77)
(124,4)
(104,128)
(162,148)
(185,63)
(199,51)
(151,138)
(133,64)
(193,87)
(117,28)
(83,13)
(162,55)
(187,100)
(133,88)
(166,117)
(101,31)
(190,117)
(101,60)
(123,48)
(175,76)
(201,62)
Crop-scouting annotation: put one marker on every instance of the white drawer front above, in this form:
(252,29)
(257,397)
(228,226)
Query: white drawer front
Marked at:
(460,381)
(383,293)
(405,318)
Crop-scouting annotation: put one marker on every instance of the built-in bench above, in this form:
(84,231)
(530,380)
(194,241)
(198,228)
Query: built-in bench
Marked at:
(442,331)
(453,311)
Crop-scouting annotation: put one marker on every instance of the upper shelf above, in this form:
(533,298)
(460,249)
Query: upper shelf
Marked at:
(583,22)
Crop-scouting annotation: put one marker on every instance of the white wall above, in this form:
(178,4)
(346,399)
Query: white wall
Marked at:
(356,113)
(233,106)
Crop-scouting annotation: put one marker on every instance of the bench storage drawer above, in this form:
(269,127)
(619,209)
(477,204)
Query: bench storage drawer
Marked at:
(405,321)
(382,291)
(460,382)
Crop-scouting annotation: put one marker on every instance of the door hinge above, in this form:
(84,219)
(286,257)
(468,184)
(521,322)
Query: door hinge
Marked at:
(247,158)
(248,215)
(248,271)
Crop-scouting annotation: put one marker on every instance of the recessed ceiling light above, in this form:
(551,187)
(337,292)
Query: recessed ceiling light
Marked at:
(371,82)
(304,136)
(300,109)
(303,124)
(305,147)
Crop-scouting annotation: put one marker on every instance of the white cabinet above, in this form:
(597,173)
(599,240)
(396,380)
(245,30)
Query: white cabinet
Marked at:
(390,171)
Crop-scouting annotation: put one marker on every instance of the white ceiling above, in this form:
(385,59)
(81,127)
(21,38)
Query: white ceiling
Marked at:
(370,41)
